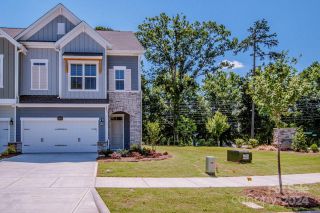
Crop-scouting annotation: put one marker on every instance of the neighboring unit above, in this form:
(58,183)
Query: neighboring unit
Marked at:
(65,86)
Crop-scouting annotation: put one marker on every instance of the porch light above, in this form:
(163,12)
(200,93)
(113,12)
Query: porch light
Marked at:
(11,122)
(101,121)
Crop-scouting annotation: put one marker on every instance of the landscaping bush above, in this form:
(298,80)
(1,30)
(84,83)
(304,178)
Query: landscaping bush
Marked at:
(106,152)
(299,142)
(239,142)
(253,142)
(10,150)
(124,153)
(136,155)
(115,155)
(314,148)
(135,148)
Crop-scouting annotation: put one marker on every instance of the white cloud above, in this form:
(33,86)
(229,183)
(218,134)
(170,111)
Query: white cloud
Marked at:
(235,64)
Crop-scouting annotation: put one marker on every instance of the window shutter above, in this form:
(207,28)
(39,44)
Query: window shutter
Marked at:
(127,80)
(111,80)
(35,77)
(43,78)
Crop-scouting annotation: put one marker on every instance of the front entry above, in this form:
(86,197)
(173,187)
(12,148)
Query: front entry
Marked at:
(117,132)
(4,134)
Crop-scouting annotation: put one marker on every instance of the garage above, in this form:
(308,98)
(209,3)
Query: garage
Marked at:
(54,135)
(4,133)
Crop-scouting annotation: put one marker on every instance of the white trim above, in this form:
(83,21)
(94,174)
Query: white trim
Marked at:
(1,71)
(115,68)
(126,52)
(60,73)
(80,57)
(40,61)
(81,28)
(105,75)
(119,115)
(8,101)
(63,105)
(3,34)
(40,44)
(16,73)
(106,124)
(15,124)
(46,18)
(83,76)
(9,128)
(139,72)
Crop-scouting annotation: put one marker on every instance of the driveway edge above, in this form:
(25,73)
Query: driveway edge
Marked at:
(102,207)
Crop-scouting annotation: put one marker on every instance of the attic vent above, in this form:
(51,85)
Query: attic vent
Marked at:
(61,28)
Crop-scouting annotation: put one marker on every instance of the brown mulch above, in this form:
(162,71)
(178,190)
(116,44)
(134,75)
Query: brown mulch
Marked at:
(132,159)
(8,156)
(290,198)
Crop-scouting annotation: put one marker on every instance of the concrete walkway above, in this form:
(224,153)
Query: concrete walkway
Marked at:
(48,183)
(198,182)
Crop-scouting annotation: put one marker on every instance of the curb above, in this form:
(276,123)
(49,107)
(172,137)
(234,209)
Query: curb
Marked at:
(102,207)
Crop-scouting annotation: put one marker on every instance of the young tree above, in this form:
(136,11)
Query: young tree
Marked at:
(259,38)
(217,125)
(153,131)
(275,90)
(186,128)
(178,49)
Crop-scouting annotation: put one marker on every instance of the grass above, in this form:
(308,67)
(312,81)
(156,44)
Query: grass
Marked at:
(190,162)
(222,200)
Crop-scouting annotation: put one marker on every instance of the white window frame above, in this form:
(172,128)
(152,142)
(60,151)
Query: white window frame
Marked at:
(1,71)
(83,76)
(115,68)
(39,61)
(61,28)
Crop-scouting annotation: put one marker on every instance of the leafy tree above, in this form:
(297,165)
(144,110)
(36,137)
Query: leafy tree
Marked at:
(186,128)
(259,39)
(275,90)
(180,51)
(299,142)
(217,125)
(103,28)
(153,130)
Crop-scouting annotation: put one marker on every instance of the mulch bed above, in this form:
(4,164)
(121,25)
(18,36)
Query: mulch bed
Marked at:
(290,198)
(132,159)
(8,156)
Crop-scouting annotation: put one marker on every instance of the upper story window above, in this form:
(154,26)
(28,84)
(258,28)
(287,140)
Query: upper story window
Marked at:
(119,78)
(39,74)
(1,71)
(83,76)
(61,28)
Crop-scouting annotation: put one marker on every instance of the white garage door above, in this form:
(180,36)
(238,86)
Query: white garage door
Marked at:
(41,135)
(4,134)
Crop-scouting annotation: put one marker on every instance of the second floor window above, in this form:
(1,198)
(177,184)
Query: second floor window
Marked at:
(119,78)
(83,76)
(39,74)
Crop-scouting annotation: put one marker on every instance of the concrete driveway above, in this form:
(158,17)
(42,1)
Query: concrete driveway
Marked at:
(48,183)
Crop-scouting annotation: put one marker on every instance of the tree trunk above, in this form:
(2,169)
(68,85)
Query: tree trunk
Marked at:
(279,168)
(252,106)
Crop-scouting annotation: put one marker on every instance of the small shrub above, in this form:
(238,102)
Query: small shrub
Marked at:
(136,155)
(165,153)
(145,151)
(314,148)
(115,155)
(5,152)
(253,142)
(135,148)
(239,142)
(299,142)
(11,149)
(106,152)
(124,153)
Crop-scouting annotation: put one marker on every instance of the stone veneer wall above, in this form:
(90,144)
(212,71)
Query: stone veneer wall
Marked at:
(284,135)
(130,103)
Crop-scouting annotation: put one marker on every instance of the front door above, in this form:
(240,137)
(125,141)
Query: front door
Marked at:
(4,135)
(117,129)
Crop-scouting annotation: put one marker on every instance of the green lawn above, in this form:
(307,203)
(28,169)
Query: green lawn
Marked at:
(185,200)
(190,162)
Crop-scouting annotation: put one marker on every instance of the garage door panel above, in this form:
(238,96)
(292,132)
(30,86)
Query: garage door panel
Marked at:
(60,136)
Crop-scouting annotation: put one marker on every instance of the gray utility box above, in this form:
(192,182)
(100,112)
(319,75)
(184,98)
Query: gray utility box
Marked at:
(210,165)
(241,156)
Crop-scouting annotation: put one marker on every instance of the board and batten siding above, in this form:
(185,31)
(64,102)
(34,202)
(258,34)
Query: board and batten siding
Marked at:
(8,112)
(7,49)
(53,71)
(83,43)
(131,62)
(65,112)
(50,31)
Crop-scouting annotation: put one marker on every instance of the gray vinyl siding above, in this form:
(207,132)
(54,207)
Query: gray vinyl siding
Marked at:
(53,71)
(131,62)
(65,112)
(7,49)
(85,44)
(8,112)
(50,31)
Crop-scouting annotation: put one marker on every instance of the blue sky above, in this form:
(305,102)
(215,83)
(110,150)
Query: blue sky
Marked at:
(295,21)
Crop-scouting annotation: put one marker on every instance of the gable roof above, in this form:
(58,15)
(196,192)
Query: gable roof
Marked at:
(13,32)
(80,28)
(60,9)
(3,34)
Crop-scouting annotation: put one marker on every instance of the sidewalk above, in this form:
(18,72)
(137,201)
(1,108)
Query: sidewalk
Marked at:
(199,182)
